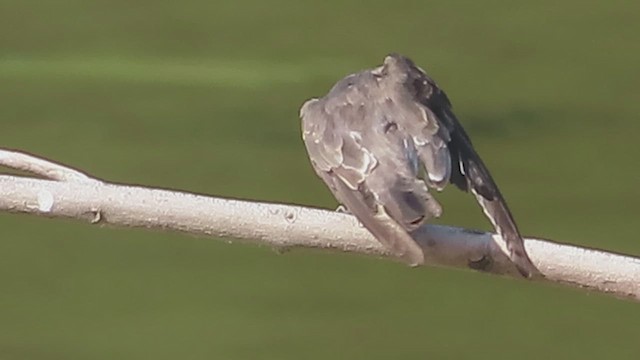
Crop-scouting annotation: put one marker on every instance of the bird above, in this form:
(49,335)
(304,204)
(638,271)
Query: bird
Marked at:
(382,138)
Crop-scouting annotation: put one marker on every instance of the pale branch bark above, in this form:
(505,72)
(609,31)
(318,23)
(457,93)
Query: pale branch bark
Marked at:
(72,194)
(41,167)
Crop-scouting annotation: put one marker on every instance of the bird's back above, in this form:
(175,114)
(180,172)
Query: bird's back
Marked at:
(355,134)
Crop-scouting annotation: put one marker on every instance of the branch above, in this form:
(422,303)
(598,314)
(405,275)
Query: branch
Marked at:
(44,168)
(67,193)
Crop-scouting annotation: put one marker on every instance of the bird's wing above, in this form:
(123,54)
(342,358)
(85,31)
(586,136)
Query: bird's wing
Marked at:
(431,140)
(468,171)
(342,161)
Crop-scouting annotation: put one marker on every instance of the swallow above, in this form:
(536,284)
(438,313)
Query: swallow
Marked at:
(382,138)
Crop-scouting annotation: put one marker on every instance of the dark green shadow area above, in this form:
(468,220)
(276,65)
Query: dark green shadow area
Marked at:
(203,96)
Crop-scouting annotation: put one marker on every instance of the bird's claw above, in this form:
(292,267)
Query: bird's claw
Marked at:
(482,264)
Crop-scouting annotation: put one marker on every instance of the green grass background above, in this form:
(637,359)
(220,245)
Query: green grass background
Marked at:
(203,96)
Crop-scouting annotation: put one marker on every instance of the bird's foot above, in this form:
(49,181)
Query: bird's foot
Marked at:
(482,264)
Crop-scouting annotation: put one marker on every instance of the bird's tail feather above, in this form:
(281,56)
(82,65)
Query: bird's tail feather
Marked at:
(495,208)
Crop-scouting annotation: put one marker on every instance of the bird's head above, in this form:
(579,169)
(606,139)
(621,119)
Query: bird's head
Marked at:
(396,68)
(397,63)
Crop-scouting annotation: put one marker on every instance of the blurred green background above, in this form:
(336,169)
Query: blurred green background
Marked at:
(203,96)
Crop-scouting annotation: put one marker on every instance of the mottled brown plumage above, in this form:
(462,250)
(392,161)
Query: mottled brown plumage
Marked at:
(381,138)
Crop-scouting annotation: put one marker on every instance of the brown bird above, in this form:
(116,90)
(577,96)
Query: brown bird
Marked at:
(381,138)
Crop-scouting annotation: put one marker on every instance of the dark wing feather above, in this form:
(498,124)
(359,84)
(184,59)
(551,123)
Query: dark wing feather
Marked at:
(468,171)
